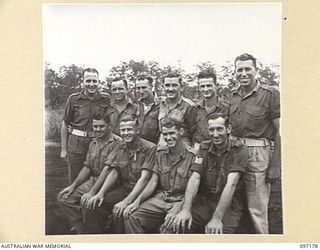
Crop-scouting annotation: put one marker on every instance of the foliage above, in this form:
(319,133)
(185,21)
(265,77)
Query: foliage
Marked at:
(53,119)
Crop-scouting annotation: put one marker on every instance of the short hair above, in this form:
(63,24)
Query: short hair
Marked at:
(214,116)
(245,57)
(173,75)
(90,70)
(129,118)
(208,73)
(145,77)
(102,116)
(120,79)
(169,122)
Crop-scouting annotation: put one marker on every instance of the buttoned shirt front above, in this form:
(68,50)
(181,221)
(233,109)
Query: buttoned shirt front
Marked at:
(148,121)
(81,108)
(252,115)
(115,115)
(184,112)
(174,171)
(214,167)
(130,164)
(101,153)
(201,129)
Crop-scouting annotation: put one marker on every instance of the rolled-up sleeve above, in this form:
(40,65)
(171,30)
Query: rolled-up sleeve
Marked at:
(149,161)
(240,161)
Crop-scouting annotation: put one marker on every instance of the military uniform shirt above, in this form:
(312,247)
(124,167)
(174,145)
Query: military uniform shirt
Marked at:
(252,115)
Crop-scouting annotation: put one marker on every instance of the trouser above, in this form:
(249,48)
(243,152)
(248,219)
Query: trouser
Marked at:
(258,190)
(71,206)
(96,220)
(203,209)
(150,215)
(77,152)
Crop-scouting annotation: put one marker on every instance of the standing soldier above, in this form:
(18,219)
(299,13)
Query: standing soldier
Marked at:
(254,116)
(177,107)
(121,104)
(78,115)
(209,104)
(148,111)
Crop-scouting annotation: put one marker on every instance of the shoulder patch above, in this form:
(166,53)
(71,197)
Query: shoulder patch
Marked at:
(191,103)
(198,160)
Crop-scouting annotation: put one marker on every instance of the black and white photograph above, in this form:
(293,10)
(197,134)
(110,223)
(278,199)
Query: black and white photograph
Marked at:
(162,119)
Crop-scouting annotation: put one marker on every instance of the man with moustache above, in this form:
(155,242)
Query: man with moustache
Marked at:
(148,110)
(132,165)
(171,172)
(177,107)
(121,104)
(90,178)
(213,201)
(78,115)
(254,116)
(209,104)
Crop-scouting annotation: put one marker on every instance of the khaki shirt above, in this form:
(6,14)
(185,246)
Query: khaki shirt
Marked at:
(174,171)
(184,112)
(252,115)
(214,168)
(115,115)
(80,109)
(131,165)
(100,153)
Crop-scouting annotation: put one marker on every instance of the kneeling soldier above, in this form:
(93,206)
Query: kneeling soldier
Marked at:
(90,178)
(132,165)
(171,171)
(219,165)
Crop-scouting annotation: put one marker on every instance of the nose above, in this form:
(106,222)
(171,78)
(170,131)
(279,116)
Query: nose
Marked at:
(215,133)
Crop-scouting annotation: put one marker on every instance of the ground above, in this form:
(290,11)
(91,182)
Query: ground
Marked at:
(57,178)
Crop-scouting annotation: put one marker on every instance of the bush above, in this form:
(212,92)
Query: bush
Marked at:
(53,120)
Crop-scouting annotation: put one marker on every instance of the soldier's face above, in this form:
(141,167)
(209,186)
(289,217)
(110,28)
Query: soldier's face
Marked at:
(245,72)
(171,136)
(90,82)
(172,88)
(207,87)
(128,131)
(118,90)
(218,130)
(143,89)
(100,128)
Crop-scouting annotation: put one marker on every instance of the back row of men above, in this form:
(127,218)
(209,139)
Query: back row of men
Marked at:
(170,166)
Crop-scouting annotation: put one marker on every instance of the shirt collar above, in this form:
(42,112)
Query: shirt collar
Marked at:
(213,148)
(139,145)
(239,90)
(84,95)
(109,138)
(182,152)
(202,101)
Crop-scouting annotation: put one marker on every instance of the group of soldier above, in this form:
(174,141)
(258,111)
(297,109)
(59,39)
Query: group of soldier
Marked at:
(169,165)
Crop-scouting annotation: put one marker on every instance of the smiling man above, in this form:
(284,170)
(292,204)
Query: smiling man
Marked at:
(91,176)
(218,168)
(121,104)
(132,165)
(254,116)
(148,111)
(177,107)
(209,104)
(79,112)
(171,172)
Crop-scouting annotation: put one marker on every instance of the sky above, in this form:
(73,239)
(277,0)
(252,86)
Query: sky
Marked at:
(103,35)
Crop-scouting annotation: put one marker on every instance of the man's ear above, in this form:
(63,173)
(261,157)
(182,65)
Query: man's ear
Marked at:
(229,128)
(181,131)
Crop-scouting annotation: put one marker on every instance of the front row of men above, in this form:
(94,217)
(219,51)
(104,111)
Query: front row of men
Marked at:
(133,186)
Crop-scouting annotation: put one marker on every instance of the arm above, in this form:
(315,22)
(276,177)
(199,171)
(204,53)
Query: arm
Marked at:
(185,216)
(64,139)
(140,185)
(215,224)
(146,193)
(98,198)
(275,162)
(81,178)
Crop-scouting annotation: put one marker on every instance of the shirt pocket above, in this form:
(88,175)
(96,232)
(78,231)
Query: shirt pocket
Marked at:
(81,109)
(165,177)
(182,178)
(255,116)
